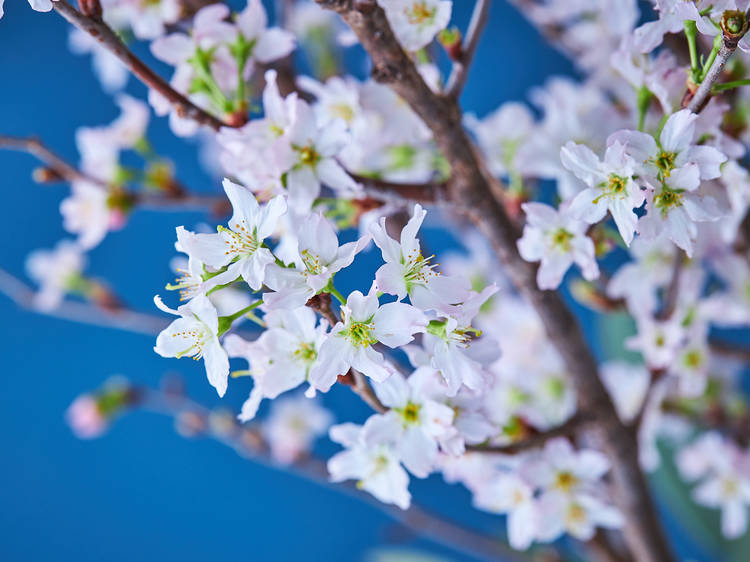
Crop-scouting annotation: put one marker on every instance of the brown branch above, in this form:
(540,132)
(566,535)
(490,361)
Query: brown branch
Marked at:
(59,166)
(673,289)
(461,67)
(427,193)
(570,427)
(728,46)
(111,42)
(472,186)
(248,442)
(180,200)
(730,350)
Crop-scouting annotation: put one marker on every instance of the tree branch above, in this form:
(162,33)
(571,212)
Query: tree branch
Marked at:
(472,186)
(249,443)
(460,72)
(111,42)
(59,166)
(728,46)
(573,425)
(427,193)
(83,312)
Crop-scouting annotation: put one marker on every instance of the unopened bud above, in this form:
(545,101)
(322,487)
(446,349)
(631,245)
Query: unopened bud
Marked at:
(44,174)
(450,39)
(734,23)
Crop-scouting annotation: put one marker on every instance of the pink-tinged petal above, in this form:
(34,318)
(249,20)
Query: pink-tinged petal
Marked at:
(581,160)
(686,177)
(531,245)
(678,131)
(649,36)
(345,434)
(318,237)
(640,146)
(396,323)
(273,44)
(522,526)
(708,159)
(681,230)
(173,49)
(252,20)
(217,366)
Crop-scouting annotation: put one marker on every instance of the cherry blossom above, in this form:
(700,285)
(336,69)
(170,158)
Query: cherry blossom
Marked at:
(416,22)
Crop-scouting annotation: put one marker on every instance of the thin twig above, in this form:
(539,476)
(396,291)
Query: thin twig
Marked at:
(471,187)
(112,43)
(36,148)
(248,443)
(86,313)
(728,46)
(427,193)
(673,289)
(461,67)
(570,427)
(730,350)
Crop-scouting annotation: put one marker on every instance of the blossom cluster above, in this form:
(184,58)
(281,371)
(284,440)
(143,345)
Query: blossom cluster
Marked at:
(616,174)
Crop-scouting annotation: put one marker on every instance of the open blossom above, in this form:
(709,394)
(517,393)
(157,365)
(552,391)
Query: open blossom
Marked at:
(293,426)
(416,22)
(87,213)
(571,496)
(282,357)
(557,240)
(611,186)
(371,459)
(672,16)
(675,149)
(56,272)
(723,472)
(658,341)
(365,323)
(320,258)
(418,423)
(239,247)
(510,494)
(407,271)
(195,334)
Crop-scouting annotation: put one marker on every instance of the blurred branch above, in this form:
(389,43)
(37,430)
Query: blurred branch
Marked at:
(110,41)
(426,193)
(570,427)
(85,313)
(461,67)
(180,200)
(730,350)
(249,443)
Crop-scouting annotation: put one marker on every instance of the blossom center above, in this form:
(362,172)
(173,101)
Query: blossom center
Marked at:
(361,334)
(664,161)
(306,353)
(419,13)
(308,156)
(312,262)
(196,337)
(668,199)
(565,481)
(410,413)
(240,239)
(561,239)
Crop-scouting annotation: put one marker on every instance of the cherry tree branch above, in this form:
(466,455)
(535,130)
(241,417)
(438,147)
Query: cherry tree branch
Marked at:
(472,186)
(249,443)
(179,201)
(570,427)
(460,72)
(108,39)
(427,193)
(728,46)
(730,350)
(85,313)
